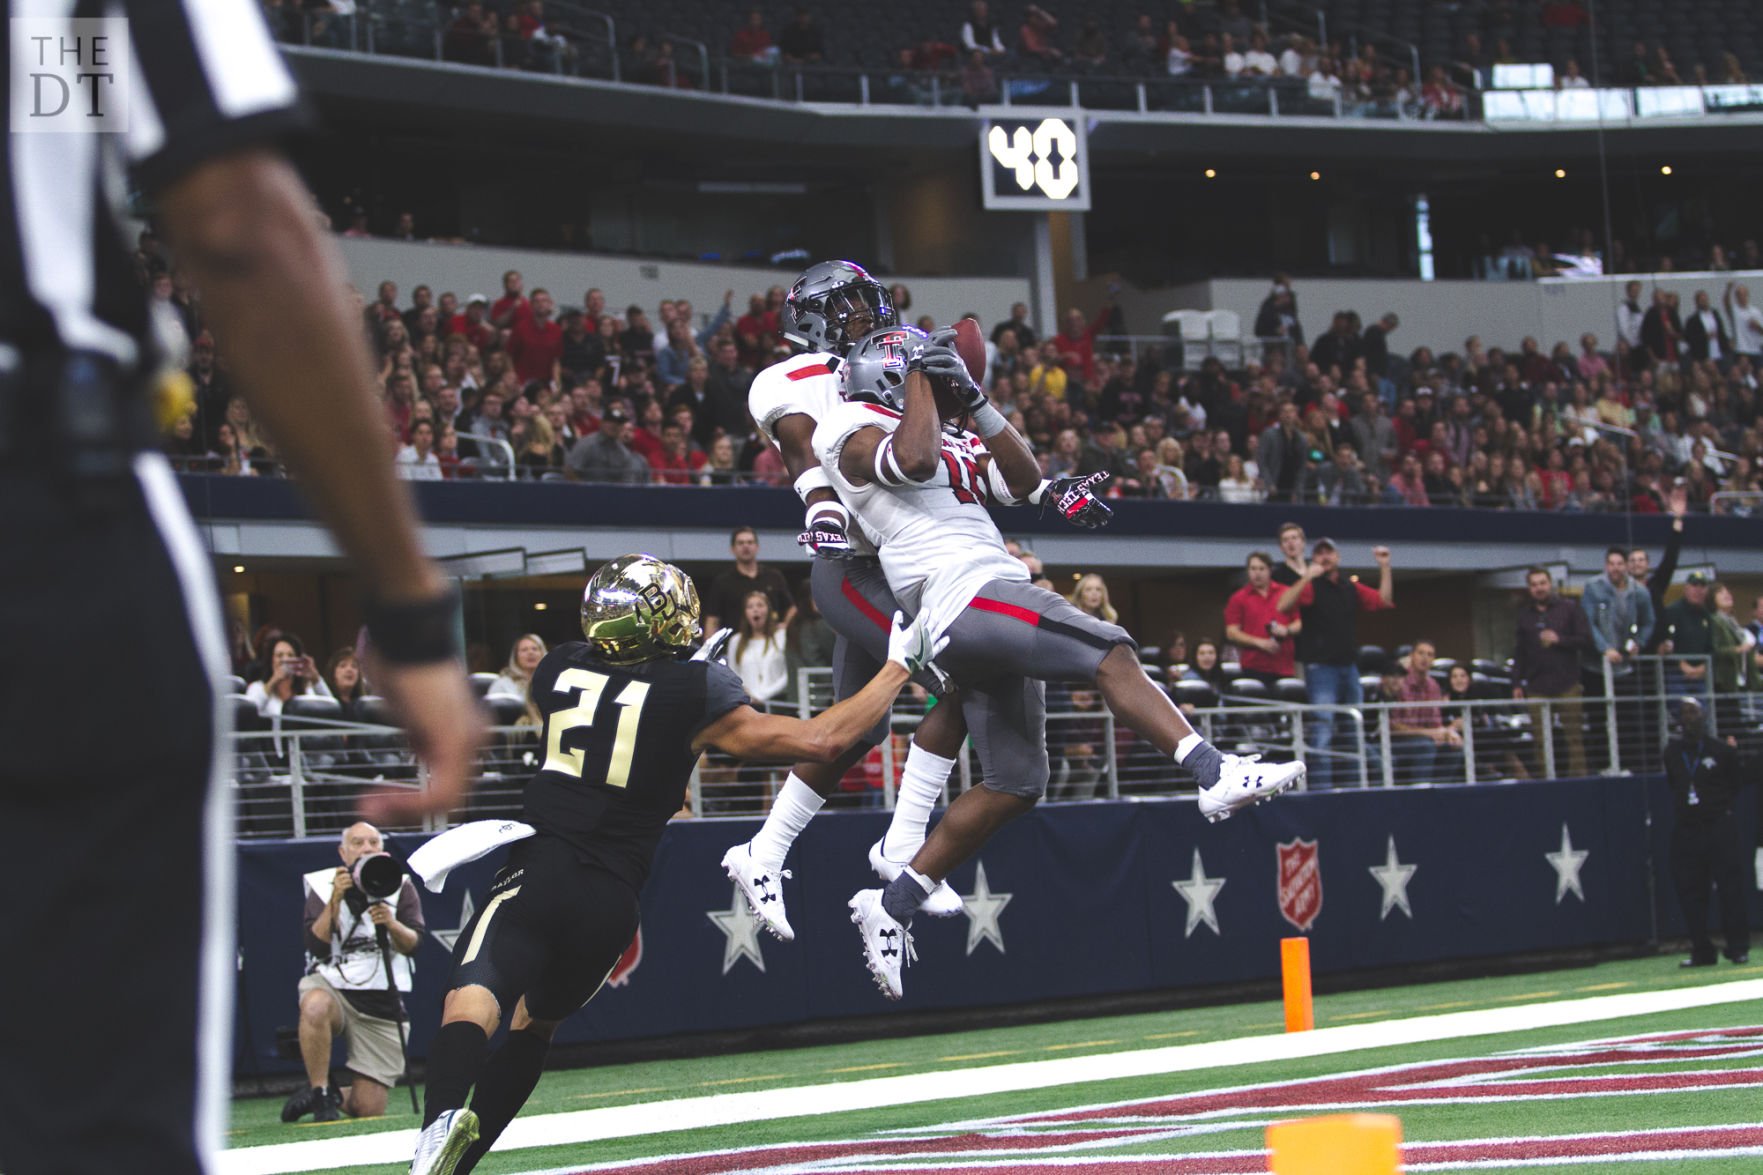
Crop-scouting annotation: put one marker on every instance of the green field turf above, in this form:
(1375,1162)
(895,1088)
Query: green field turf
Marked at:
(942,1057)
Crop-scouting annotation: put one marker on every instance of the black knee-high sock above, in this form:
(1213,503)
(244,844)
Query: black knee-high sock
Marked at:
(454,1062)
(508,1079)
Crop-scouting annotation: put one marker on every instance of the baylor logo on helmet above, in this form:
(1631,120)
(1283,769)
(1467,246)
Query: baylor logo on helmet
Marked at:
(653,603)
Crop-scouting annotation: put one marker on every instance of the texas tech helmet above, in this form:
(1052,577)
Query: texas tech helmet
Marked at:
(875,367)
(825,298)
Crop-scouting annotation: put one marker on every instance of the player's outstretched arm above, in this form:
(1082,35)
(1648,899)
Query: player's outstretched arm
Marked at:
(246,230)
(748,734)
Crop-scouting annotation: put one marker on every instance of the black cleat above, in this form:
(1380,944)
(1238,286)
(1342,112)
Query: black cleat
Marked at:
(304,1102)
(1696,961)
(330,1105)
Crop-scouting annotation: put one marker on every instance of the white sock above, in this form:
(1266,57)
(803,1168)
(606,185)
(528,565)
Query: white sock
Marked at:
(1186,746)
(921,785)
(790,813)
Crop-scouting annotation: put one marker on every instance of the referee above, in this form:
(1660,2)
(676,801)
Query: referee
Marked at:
(115,819)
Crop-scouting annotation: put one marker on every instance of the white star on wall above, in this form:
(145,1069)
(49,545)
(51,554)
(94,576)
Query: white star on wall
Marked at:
(1566,863)
(982,908)
(448,937)
(1199,892)
(1393,876)
(740,928)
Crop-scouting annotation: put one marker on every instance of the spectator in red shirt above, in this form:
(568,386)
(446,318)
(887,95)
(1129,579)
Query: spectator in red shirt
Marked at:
(675,463)
(471,325)
(1421,741)
(535,342)
(1253,623)
(512,305)
(584,407)
(386,309)
(1034,40)
(1077,342)
(756,332)
(753,40)
(646,437)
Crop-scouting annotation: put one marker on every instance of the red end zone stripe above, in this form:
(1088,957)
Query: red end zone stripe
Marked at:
(1014,611)
(811,370)
(863,605)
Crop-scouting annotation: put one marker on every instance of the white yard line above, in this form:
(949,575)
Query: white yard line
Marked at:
(726,1109)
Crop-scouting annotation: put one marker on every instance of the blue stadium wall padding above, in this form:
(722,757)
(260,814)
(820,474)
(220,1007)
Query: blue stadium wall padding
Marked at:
(213,497)
(1083,900)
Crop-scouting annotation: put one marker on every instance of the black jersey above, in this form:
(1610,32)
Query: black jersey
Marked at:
(617,748)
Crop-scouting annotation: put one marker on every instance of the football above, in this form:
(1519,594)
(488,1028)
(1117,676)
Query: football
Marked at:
(970,344)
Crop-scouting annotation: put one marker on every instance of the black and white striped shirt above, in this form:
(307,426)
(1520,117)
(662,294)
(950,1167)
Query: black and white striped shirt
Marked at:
(203,78)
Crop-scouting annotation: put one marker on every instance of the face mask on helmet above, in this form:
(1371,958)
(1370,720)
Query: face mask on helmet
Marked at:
(824,300)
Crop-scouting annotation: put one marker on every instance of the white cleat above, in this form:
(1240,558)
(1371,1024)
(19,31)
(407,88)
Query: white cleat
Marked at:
(444,1142)
(762,886)
(887,946)
(943,901)
(1245,780)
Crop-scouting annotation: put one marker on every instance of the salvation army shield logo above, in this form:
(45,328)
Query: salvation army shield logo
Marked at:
(1300,883)
(627,962)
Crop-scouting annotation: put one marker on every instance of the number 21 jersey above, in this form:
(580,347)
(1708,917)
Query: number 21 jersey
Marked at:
(617,749)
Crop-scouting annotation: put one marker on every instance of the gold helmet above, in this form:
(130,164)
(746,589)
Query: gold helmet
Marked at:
(637,607)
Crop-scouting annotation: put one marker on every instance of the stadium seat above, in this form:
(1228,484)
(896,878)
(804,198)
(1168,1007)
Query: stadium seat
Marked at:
(246,717)
(505,711)
(234,684)
(1190,326)
(1225,331)
(1372,658)
(1291,690)
(373,710)
(311,707)
(1248,691)
(1194,693)
(481,683)
(1231,668)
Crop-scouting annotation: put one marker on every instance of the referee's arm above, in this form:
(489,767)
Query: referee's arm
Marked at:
(247,231)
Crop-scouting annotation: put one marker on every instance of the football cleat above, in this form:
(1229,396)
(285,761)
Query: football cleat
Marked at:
(1245,780)
(943,901)
(763,888)
(887,946)
(444,1142)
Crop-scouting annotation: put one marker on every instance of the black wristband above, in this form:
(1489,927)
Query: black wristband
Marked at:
(415,633)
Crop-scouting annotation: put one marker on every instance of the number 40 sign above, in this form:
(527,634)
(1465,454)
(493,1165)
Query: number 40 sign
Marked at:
(1035,165)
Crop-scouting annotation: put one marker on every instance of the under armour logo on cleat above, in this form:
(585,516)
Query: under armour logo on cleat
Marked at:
(889,944)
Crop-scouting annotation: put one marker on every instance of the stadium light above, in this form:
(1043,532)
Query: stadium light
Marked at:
(1665,169)
(540,606)
(238,569)
(1560,173)
(1316,175)
(1211,173)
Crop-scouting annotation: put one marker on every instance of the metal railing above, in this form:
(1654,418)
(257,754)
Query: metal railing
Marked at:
(303,778)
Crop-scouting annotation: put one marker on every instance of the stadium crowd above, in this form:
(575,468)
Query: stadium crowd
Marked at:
(977,49)
(519,387)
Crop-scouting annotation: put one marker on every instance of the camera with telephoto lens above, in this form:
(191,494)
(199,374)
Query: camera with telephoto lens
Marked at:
(378,877)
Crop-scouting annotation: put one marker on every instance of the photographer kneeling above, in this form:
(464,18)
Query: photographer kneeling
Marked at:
(345,991)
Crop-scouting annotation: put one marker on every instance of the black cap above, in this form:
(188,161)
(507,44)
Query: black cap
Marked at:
(617,415)
(1325,542)
(1695,579)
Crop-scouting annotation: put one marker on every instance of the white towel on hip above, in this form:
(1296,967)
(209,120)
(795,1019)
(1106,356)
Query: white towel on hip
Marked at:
(458,846)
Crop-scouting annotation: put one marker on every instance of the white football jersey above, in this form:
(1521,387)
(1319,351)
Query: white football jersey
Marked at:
(808,384)
(805,383)
(938,545)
